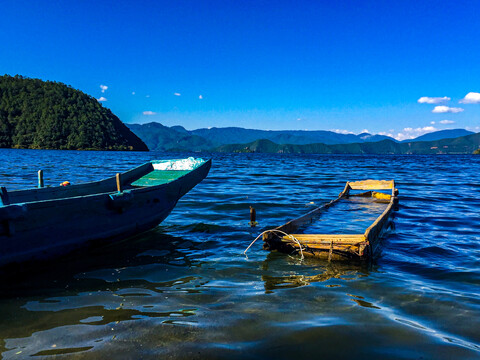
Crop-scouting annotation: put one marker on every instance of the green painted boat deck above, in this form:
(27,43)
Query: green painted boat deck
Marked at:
(158,177)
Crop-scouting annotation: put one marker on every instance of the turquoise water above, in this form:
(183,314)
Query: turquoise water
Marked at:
(186,291)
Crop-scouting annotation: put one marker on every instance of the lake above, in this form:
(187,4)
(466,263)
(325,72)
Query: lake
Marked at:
(185,290)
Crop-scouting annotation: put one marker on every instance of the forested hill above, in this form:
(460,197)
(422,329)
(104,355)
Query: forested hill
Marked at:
(36,114)
(461,145)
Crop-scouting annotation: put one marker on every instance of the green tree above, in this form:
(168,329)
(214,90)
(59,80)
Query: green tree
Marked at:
(38,114)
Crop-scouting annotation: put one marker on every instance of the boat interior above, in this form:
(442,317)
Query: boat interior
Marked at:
(343,225)
(154,173)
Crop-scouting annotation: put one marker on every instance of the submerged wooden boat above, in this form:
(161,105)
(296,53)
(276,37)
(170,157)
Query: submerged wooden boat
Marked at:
(40,223)
(287,238)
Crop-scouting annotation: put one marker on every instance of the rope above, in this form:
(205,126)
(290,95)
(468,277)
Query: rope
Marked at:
(276,231)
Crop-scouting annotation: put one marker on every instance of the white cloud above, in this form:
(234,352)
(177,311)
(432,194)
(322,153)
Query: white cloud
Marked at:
(387,133)
(102,99)
(365,131)
(148,113)
(177,94)
(471,98)
(104,88)
(446,109)
(411,133)
(133,92)
(200,97)
(341,131)
(432,122)
(433,100)
(471,128)
(446,122)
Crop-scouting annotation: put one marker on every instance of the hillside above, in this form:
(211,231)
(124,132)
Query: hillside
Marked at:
(230,135)
(160,137)
(461,145)
(442,134)
(36,114)
(235,139)
(175,138)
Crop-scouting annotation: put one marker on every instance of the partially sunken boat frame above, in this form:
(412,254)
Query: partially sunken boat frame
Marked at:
(41,223)
(336,246)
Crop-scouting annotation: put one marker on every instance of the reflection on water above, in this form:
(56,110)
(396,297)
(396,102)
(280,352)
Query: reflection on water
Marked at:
(308,271)
(185,290)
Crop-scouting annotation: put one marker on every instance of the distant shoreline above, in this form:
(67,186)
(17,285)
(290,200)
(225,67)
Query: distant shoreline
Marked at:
(240,140)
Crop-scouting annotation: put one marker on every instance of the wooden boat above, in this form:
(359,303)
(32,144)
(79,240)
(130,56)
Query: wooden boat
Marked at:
(287,238)
(40,223)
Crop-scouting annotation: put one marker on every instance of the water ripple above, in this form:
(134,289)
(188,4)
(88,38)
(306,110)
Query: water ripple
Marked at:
(185,290)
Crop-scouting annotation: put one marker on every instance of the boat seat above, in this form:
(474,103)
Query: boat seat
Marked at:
(159,177)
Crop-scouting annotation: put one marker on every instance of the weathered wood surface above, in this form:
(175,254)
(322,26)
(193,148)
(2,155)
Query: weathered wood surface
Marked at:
(371,185)
(333,246)
(119,182)
(344,239)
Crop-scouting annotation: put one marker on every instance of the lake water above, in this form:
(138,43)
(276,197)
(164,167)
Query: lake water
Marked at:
(186,291)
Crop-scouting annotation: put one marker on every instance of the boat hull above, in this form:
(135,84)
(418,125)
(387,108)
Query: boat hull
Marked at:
(45,229)
(334,246)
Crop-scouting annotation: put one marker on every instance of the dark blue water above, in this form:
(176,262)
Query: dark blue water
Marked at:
(186,291)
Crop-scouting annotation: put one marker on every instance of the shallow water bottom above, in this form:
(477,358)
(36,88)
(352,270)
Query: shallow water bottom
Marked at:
(348,216)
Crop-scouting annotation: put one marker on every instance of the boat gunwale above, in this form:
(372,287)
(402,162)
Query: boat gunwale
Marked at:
(133,189)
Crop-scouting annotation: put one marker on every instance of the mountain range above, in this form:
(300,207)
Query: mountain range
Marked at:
(461,145)
(235,139)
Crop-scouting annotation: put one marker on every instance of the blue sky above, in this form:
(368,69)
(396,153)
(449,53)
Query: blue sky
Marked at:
(316,65)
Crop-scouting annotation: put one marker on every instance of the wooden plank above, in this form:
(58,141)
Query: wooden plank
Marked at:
(329,236)
(348,248)
(324,244)
(119,182)
(326,239)
(371,185)
(374,230)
